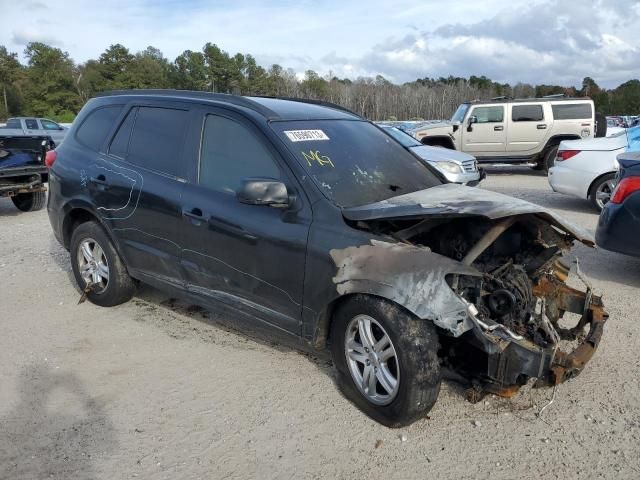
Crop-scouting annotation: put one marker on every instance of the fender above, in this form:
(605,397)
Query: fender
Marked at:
(413,277)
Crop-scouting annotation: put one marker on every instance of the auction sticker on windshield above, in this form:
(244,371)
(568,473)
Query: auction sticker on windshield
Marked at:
(305,135)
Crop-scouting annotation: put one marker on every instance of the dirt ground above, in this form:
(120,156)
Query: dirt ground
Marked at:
(159,389)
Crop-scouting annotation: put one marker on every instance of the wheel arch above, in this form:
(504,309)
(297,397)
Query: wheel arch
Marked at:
(438,141)
(77,214)
(595,181)
(556,139)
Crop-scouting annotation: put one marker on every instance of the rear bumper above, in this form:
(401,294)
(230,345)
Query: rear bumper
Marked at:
(513,360)
(618,228)
(14,181)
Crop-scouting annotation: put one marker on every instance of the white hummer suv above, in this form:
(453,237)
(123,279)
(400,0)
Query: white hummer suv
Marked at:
(514,131)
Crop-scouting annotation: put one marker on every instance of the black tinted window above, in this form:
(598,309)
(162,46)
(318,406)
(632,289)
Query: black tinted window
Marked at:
(13,123)
(157,140)
(120,141)
(527,113)
(489,114)
(230,153)
(576,111)
(31,124)
(353,162)
(97,125)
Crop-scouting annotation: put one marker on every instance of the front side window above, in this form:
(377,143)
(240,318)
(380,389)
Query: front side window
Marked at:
(353,162)
(97,125)
(157,140)
(230,153)
(31,124)
(489,114)
(527,113)
(49,125)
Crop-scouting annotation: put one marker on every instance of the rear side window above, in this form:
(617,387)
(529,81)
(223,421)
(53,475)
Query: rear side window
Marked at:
(575,111)
(120,142)
(527,113)
(230,153)
(157,140)
(31,124)
(489,114)
(95,128)
(13,123)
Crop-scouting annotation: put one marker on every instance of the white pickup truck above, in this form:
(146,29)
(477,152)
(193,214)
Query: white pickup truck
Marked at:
(30,126)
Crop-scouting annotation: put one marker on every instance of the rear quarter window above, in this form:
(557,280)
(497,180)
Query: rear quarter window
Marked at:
(95,128)
(576,111)
(13,123)
(527,113)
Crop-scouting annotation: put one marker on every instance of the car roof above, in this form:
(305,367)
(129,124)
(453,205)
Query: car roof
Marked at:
(272,108)
(530,100)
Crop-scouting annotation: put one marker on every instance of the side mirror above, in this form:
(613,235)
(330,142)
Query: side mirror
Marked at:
(472,119)
(264,191)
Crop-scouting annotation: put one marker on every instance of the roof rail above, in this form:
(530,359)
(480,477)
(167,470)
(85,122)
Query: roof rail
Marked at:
(555,95)
(502,97)
(321,103)
(222,97)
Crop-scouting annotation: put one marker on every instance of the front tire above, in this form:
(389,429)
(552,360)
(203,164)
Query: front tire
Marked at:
(387,360)
(95,260)
(29,202)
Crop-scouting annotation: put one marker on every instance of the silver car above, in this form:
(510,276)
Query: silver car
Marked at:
(457,167)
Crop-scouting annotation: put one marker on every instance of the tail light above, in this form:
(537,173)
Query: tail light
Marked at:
(625,188)
(566,155)
(50,158)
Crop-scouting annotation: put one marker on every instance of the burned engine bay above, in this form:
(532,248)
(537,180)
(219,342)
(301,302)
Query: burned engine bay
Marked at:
(517,299)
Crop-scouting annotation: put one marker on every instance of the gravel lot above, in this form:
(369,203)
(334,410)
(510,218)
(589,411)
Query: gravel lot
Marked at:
(159,389)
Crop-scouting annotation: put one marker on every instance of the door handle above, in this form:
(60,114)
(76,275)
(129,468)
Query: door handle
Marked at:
(194,214)
(224,226)
(101,182)
(498,128)
(542,126)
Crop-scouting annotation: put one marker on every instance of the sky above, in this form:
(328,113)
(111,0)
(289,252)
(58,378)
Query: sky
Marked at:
(555,42)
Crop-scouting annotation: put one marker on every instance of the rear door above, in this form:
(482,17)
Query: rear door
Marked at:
(488,136)
(31,126)
(528,128)
(247,256)
(137,184)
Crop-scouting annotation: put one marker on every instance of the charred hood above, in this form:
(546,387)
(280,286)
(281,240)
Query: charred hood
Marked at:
(451,200)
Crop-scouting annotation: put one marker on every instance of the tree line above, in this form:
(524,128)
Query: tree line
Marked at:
(52,85)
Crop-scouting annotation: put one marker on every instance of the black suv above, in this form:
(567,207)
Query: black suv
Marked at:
(309,219)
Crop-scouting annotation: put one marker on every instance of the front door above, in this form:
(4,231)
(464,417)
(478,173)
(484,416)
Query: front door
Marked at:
(488,135)
(247,256)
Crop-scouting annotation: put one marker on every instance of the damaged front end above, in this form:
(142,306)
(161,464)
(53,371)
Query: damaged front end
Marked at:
(522,320)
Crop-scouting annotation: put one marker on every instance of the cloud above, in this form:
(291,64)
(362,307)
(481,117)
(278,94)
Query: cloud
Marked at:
(536,41)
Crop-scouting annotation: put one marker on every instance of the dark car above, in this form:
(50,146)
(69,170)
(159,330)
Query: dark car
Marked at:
(309,220)
(23,170)
(619,223)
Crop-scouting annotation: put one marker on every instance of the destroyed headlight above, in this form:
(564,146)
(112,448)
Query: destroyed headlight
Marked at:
(448,167)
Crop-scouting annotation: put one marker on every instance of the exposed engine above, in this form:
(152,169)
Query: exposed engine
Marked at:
(512,264)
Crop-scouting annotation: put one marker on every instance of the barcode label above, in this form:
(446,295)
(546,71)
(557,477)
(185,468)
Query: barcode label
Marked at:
(305,135)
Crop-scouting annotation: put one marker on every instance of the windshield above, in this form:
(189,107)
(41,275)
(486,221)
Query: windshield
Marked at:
(353,162)
(458,117)
(406,140)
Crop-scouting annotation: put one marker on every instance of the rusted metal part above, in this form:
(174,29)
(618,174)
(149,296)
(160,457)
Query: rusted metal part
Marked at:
(567,365)
(505,392)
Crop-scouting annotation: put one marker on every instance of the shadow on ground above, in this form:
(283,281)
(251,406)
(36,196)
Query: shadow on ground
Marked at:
(45,438)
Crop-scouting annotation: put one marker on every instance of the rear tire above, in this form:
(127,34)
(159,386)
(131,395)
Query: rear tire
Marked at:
(601,191)
(29,202)
(414,364)
(94,258)
(547,159)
